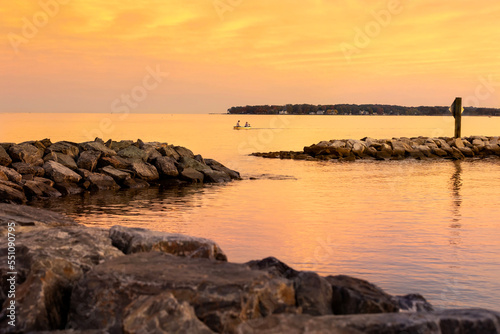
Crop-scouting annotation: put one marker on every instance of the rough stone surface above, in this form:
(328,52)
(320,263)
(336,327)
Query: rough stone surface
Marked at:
(100,181)
(26,153)
(213,176)
(169,151)
(117,175)
(5,159)
(217,166)
(223,294)
(11,174)
(116,162)
(166,166)
(63,159)
(135,240)
(413,303)
(10,194)
(98,146)
(60,173)
(162,314)
(452,321)
(133,152)
(192,175)
(183,152)
(144,171)
(66,148)
(49,262)
(313,293)
(355,296)
(88,160)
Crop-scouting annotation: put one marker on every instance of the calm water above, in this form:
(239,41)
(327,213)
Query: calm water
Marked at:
(427,227)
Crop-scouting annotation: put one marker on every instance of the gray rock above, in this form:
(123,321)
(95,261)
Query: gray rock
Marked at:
(458,143)
(152,153)
(133,152)
(135,184)
(192,175)
(100,181)
(223,294)
(185,163)
(97,146)
(168,151)
(162,314)
(467,152)
(213,176)
(63,159)
(49,262)
(26,153)
(24,168)
(24,215)
(166,166)
(10,194)
(184,152)
(5,159)
(32,190)
(355,296)
(144,171)
(48,191)
(116,162)
(457,154)
(135,240)
(88,160)
(479,143)
(450,321)
(117,175)
(117,146)
(313,293)
(217,166)
(358,148)
(274,267)
(11,174)
(65,148)
(60,173)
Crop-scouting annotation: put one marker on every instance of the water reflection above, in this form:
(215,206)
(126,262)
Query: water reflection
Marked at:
(456,185)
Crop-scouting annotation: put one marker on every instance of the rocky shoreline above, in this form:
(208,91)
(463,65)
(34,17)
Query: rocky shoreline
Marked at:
(420,148)
(42,169)
(75,279)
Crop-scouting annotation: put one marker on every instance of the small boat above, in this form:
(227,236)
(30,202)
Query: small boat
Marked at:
(241,127)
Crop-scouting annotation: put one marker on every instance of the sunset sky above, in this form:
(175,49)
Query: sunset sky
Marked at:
(87,56)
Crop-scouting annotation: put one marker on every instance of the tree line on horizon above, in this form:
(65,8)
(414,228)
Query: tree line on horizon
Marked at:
(356,109)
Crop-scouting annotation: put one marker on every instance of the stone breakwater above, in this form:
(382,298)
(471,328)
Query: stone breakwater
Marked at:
(420,148)
(75,279)
(38,169)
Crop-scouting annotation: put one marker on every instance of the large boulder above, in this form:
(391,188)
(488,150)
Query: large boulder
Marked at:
(119,145)
(11,174)
(48,263)
(222,294)
(100,181)
(355,296)
(133,152)
(97,146)
(152,152)
(117,175)
(68,188)
(450,321)
(217,166)
(183,152)
(60,173)
(26,153)
(10,194)
(24,168)
(66,148)
(88,160)
(5,159)
(63,159)
(135,240)
(115,161)
(213,176)
(192,175)
(185,162)
(169,151)
(313,293)
(166,166)
(144,171)
(24,215)
(162,314)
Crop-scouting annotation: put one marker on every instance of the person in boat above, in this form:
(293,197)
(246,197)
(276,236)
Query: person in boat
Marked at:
(238,123)
(247,125)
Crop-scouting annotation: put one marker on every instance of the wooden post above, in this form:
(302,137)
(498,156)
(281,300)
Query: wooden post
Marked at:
(456,109)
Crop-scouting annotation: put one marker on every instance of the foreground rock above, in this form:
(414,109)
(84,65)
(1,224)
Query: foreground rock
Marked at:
(222,294)
(420,148)
(472,321)
(74,279)
(73,168)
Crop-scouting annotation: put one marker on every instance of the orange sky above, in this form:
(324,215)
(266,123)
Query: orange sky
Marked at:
(87,56)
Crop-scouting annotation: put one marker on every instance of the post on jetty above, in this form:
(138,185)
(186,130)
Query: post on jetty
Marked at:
(456,110)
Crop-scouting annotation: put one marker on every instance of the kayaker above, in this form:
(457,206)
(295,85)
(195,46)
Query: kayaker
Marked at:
(238,124)
(247,125)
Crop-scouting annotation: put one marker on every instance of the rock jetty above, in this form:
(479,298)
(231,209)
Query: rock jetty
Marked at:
(76,279)
(420,148)
(38,169)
